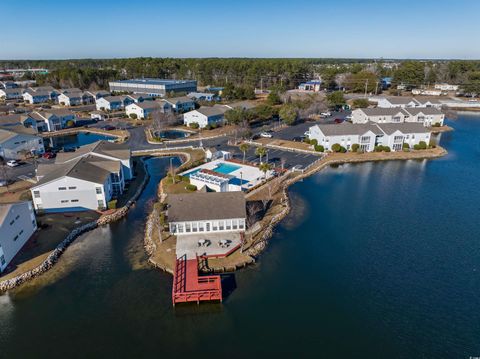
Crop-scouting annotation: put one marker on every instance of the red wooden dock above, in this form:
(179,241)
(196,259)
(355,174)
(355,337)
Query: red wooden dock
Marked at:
(188,286)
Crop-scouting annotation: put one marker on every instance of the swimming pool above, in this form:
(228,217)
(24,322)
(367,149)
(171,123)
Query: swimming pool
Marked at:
(226,168)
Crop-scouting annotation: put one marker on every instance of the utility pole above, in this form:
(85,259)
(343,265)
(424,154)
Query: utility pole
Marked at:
(376,88)
(366,86)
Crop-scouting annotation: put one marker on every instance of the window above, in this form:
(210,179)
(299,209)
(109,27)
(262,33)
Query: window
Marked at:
(2,259)
(365,139)
(180,228)
(64,201)
(15,238)
(74,200)
(208,227)
(36,194)
(98,190)
(201,227)
(17,217)
(173,228)
(101,204)
(21,232)
(234,224)
(187,227)
(62,188)
(72,187)
(194,227)
(34,223)
(215,225)
(241,224)
(12,222)
(228,224)
(221,225)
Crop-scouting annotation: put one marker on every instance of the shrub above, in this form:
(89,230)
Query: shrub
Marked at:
(406,146)
(422,145)
(112,204)
(416,147)
(70,123)
(191,187)
(336,147)
(307,140)
(355,147)
(378,148)
(313,142)
(437,124)
(360,103)
(133,116)
(194,125)
(386,149)
(319,148)
(342,149)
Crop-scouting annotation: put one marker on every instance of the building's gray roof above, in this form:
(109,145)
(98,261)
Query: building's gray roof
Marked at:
(146,105)
(181,99)
(381,111)
(86,168)
(115,98)
(425,110)
(5,135)
(404,127)
(432,100)
(12,90)
(70,90)
(9,132)
(206,206)
(347,128)
(60,112)
(115,150)
(10,119)
(212,111)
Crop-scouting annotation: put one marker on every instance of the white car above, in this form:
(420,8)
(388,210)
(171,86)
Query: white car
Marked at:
(13,163)
(349,117)
(306,133)
(326,114)
(266,135)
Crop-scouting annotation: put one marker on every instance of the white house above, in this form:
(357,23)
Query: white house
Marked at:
(75,98)
(113,102)
(145,108)
(428,116)
(397,101)
(429,102)
(17,224)
(426,92)
(369,135)
(11,93)
(446,87)
(17,141)
(86,183)
(205,116)
(181,104)
(97,94)
(49,120)
(36,97)
(209,212)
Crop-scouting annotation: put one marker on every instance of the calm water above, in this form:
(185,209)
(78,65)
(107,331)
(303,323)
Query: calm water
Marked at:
(172,134)
(73,141)
(379,260)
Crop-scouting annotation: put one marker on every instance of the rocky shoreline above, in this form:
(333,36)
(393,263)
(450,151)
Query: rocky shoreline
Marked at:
(55,255)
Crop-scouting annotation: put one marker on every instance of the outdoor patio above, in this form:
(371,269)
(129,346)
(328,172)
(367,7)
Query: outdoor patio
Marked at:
(207,244)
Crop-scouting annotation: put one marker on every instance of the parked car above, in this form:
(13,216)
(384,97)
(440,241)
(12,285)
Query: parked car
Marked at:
(266,134)
(68,149)
(49,155)
(298,139)
(13,163)
(349,117)
(326,114)
(338,120)
(3,183)
(306,133)
(109,128)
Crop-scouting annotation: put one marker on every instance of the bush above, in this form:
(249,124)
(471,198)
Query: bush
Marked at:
(194,125)
(360,103)
(191,187)
(378,148)
(406,146)
(319,148)
(355,147)
(336,147)
(112,204)
(307,140)
(386,149)
(313,142)
(422,145)
(416,147)
(437,124)
(342,149)
(133,116)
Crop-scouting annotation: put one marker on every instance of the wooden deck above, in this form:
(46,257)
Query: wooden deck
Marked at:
(188,286)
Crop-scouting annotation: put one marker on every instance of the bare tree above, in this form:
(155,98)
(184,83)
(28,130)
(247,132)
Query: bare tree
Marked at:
(162,120)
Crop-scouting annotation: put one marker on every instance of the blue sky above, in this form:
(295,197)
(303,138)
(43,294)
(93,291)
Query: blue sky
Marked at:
(49,29)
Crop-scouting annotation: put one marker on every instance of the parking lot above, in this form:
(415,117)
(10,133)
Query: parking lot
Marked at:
(23,172)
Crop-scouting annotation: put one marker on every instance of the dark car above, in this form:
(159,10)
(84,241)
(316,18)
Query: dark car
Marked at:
(109,128)
(49,155)
(69,149)
(339,120)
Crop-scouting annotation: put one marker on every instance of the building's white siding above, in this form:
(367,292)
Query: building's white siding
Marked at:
(18,226)
(195,116)
(68,193)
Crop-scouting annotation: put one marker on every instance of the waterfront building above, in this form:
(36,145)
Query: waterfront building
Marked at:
(208,212)
(17,224)
(18,141)
(151,86)
(205,116)
(49,120)
(427,115)
(369,135)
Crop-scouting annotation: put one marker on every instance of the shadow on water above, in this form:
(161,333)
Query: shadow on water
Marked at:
(229,284)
